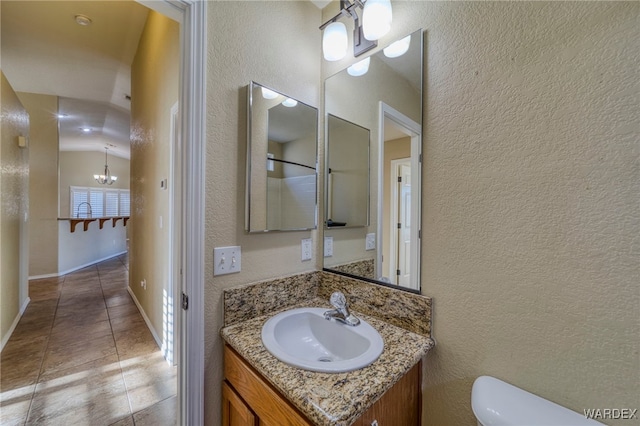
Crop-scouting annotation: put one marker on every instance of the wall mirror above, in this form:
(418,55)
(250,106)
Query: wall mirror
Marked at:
(385,102)
(348,177)
(281,162)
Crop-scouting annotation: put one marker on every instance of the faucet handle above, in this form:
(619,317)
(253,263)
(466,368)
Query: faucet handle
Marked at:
(338,300)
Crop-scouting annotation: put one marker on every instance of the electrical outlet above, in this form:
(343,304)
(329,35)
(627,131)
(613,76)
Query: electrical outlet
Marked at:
(306,249)
(227,260)
(370,242)
(328,246)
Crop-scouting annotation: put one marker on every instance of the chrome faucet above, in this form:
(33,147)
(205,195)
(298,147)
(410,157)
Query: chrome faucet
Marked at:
(89,213)
(341,312)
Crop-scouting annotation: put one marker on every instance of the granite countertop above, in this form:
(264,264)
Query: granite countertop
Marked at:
(331,399)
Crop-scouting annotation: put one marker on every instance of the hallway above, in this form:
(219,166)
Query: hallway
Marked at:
(83,355)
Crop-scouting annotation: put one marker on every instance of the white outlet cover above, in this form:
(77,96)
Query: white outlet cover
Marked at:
(328,246)
(370,243)
(306,248)
(227,260)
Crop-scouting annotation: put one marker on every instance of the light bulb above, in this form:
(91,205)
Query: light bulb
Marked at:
(359,68)
(290,103)
(335,41)
(376,19)
(397,48)
(268,93)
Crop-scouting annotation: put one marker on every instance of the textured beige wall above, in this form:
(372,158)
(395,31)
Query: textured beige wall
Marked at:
(43,183)
(14,186)
(274,43)
(77,169)
(154,87)
(530,199)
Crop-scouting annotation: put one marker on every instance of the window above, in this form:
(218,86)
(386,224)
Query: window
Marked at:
(98,202)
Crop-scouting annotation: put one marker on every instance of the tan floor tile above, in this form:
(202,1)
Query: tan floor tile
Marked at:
(20,362)
(149,380)
(135,342)
(164,413)
(127,322)
(106,364)
(48,289)
(62,355)
(74,339)
(127,421)
(90,397)
(123,310)
(79,333)
(14,405)
(68,318)
(117,297)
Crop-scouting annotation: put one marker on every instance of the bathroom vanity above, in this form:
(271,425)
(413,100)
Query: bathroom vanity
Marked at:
(259,389)
(248,399)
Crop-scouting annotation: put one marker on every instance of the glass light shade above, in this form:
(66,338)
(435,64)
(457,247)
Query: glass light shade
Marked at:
(335,41)
(359,68)
(290,102)
(268,94)
(397,48)
(376,19)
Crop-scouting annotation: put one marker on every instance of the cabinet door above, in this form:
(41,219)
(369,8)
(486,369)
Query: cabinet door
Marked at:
(400,405)
(234,410)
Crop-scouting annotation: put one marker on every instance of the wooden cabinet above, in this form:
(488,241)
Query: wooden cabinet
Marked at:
(234,411)
(249,400)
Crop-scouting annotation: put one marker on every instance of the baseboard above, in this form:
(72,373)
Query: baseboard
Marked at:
(75,268)
(145,317)
(5,339)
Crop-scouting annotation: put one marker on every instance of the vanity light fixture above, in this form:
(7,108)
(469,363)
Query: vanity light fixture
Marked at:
(290,103)
(398,48)
(376,22)
(359,68)
(268,93)
(376,19)
(106,178)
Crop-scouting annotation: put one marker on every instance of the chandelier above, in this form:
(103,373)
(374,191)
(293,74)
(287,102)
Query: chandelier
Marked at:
(106,178)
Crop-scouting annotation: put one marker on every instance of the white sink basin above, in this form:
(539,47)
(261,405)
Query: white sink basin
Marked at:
(305,339)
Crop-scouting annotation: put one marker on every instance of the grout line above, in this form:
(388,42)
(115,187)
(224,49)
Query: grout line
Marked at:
(115,344)
(59,286)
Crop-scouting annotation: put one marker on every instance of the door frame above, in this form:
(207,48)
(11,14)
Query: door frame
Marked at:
(189,208)
(414,130)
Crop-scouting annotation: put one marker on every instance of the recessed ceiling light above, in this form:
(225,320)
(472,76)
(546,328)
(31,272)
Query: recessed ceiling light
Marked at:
(83,20)
(85,129)
(63,115)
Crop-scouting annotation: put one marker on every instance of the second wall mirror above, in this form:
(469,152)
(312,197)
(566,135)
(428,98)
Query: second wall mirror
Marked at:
(281,162)
(381,241)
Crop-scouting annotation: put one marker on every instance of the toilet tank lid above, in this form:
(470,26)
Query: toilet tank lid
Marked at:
(497,403)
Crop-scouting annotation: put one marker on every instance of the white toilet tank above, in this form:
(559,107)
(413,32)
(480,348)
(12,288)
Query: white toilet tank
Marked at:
(496,403)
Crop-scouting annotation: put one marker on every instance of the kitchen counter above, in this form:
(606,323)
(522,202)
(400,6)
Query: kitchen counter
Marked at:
(330,399)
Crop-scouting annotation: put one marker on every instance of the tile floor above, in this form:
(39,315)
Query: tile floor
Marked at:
(83,355)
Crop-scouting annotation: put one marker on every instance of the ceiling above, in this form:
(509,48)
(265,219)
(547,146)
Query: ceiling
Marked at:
(45,51)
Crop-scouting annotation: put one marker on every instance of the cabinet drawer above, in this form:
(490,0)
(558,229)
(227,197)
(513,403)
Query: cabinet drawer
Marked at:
(265,401)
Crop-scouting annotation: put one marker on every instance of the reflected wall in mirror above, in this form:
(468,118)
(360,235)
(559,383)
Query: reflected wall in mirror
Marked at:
(348,177)
(281,162)
(387,99)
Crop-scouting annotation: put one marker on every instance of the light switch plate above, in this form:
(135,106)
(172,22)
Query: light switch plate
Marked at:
(306,249)
(227,260)
(328,246)
(370,242)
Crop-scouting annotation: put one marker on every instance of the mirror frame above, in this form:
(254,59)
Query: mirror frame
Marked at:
(248,206)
